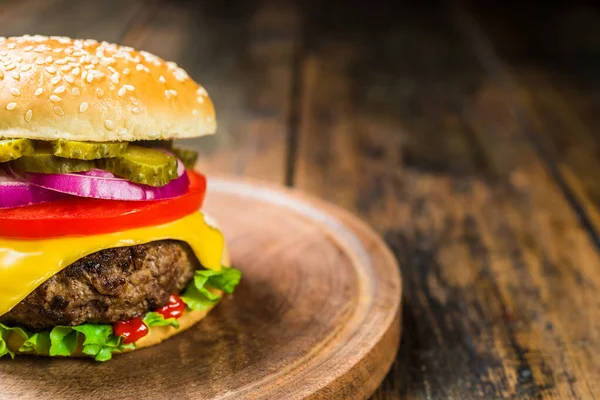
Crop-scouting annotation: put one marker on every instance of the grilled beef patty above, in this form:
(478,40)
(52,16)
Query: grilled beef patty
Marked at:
(108,286)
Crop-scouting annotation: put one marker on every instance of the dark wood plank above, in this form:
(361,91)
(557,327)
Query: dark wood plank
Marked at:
(242,53)
(552,69)
(405,127)
(101,20)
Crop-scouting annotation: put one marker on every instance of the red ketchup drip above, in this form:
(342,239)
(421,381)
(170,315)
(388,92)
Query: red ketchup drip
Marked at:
(173,309)
(135,329)
(132,330)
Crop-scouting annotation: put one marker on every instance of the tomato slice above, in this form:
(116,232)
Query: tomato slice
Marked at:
(83,216)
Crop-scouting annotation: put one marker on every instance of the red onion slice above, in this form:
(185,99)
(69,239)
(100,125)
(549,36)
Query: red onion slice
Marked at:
(18,193)
(99,184)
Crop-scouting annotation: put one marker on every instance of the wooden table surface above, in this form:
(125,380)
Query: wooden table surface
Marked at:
(466,135)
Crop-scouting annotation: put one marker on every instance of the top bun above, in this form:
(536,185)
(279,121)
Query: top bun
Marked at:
(60,88)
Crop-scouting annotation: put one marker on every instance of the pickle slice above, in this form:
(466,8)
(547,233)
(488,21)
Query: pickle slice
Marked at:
(188,157)
(44,161)
(11,149)
(143,165)
(87,150)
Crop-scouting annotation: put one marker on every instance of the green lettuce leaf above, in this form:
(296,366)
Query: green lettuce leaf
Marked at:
(5,331)
(98,342)
(155,319)
(63,341)
(38,342)
(226,281)
(198,297)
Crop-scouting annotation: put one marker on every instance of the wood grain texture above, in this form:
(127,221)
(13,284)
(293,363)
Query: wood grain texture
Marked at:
(316,316)
(105,20)
(426,145)
(242,52)
(553,82)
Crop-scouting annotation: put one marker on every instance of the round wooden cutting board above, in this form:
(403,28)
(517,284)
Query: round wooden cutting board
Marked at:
(316,316)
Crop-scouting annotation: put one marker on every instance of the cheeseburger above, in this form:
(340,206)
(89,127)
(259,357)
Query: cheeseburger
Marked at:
(103,247)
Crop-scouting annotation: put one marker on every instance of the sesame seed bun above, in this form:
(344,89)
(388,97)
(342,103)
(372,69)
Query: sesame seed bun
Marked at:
(61,88)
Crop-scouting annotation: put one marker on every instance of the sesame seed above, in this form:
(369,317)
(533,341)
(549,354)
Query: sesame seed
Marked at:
(122,92)
(55,99)
(162,79)
(201,91)
(75,91)
(60,89)
(49,59)
(68,78)
(16,76)
(168,94)
(58,111)
(12,46)
(75,71)
(66,68)
(83,106)
(84,74)
(139,67)
(55,80)
(200,99)
(180,75)
(99,92)
(9,67)
(39,60)
(123,131)
(126,71)
(134,101)
(57,50)
(109,124)
(114,78)
(38,91)
(11,106)
(51,69)
(195,112)
(28,49)
(28,115)
(61,61)
(136,110)
(89,78)
(25,67)
(15,92)
(173,92)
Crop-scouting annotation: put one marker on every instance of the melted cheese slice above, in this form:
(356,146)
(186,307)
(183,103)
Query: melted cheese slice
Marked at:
(26,264)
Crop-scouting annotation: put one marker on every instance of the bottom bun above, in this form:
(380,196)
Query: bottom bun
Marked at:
(156,335)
